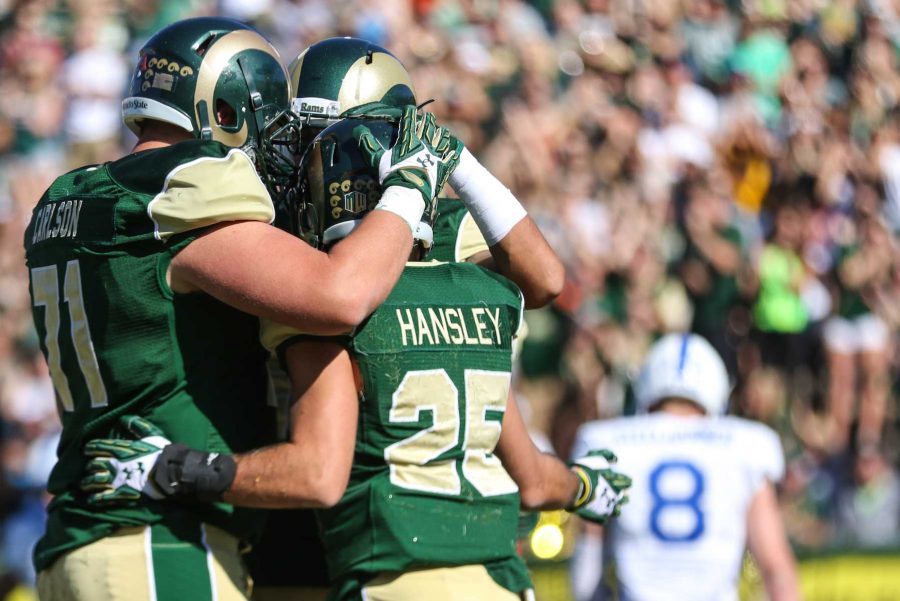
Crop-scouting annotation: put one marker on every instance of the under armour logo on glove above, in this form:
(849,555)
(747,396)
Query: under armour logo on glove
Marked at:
(118,469)
(602,491)
(426,161)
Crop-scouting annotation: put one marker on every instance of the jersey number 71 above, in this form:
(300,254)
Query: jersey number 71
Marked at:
(46,293)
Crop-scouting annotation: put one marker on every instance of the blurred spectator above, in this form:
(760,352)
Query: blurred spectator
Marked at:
(780,317)
(856,338)
(865,504)
(710,269)
(93,84)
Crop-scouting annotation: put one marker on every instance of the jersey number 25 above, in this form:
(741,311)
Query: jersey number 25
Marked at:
(414,462)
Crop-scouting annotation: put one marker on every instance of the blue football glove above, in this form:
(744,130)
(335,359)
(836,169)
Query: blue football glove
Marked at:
(602,491)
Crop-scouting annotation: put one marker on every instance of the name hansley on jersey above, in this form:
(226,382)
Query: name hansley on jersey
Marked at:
(57,220)
(448,325)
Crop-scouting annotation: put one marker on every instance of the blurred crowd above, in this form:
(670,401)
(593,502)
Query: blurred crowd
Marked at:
(731,167)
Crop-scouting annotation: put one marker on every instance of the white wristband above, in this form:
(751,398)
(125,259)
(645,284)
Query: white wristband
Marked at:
(406,203)
(493,207)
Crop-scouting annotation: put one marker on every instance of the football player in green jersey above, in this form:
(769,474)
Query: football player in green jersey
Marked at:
(442,459)
(148,275)
(343,76)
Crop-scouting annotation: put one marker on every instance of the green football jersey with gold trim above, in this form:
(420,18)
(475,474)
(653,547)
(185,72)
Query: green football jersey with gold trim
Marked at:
(119,341)
(425,488)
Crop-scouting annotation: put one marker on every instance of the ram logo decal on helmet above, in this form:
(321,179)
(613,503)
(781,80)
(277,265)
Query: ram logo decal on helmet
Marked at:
(210,84)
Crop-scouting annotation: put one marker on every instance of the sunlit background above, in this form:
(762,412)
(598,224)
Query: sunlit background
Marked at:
(722,166)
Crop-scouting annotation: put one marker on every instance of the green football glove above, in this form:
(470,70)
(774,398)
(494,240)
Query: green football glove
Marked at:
(442,144)
(120,470)
(602,491)
(408,163)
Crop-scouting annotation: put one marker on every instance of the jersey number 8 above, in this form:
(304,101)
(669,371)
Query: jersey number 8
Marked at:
(676,488)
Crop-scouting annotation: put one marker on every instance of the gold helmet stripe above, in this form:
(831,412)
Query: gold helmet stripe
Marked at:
(294,69)
(214,62)
(370,82)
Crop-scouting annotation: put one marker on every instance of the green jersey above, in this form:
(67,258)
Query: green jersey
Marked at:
(425,488)
(273,560)
(118,340)
(456,236)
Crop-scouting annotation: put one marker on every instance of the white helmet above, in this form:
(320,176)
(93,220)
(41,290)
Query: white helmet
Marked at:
(685,366)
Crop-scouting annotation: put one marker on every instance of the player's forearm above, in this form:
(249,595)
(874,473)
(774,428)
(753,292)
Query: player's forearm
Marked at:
(767,541)
(311,470)
(782,585)
(285,476)
(553,485)
(525,257)
(519,250)
(366,265)
(544,481)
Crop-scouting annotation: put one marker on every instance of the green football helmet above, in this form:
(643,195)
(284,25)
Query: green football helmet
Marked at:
(220,80)
(336,75)
(337,186)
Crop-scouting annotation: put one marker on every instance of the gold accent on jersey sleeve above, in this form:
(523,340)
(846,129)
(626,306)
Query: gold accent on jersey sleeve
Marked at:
(272,334)
(210,190)
(469,239)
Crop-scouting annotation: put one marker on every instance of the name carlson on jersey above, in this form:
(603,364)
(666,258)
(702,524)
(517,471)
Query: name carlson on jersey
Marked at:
(57,220)
(450,325)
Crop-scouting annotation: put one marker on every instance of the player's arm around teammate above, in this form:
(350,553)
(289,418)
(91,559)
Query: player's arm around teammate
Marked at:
(517,249)
(264,271)
(310,469)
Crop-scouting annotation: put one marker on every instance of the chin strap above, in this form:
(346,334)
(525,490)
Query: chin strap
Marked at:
(256,99)
(203,115)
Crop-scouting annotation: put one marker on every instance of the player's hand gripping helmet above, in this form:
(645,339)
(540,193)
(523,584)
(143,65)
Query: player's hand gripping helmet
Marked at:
(684,366)
(219,80)
(337,186)
(337,75)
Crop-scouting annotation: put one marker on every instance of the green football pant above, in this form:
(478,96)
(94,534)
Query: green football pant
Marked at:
(435,584)
(157,563)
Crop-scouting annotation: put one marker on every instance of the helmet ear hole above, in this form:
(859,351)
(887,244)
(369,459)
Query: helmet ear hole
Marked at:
(226,116)
(204,45)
